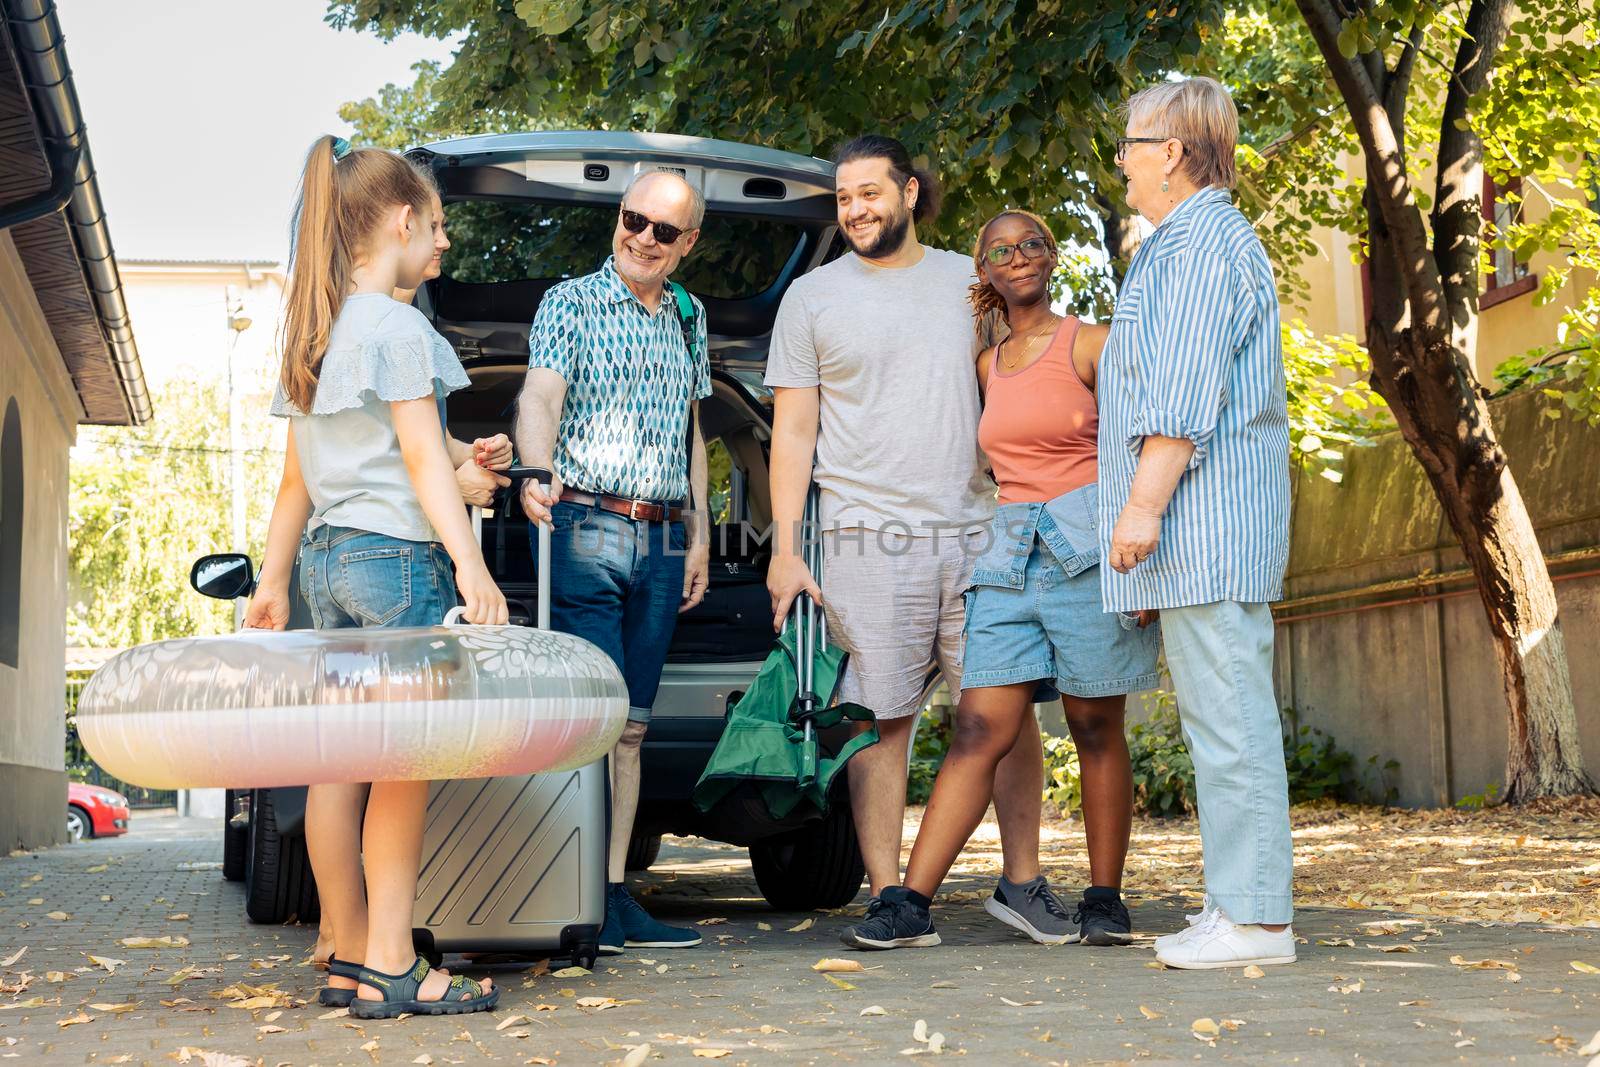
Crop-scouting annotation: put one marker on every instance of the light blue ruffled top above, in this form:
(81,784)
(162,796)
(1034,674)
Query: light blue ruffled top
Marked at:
(379,351)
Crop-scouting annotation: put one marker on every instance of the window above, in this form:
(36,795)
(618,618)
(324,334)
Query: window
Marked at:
(1502,209)
(519,240)
(11,501)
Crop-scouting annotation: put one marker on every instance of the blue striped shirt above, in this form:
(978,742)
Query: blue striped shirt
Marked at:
(1195,351)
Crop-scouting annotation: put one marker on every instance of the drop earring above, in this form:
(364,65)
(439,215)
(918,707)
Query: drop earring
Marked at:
(1163,185)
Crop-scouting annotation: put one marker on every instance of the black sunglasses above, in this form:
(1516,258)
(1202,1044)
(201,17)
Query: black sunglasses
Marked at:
(666,233)
(1124,142)
(1032,248)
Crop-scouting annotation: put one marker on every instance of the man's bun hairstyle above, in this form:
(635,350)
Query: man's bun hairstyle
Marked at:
(877,146)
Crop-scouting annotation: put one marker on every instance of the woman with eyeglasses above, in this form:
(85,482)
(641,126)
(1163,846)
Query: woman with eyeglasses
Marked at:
(1035,628)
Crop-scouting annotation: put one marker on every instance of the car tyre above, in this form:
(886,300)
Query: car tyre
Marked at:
(817,866)
(278,882)
(642,851)
(79,825)
(235,840)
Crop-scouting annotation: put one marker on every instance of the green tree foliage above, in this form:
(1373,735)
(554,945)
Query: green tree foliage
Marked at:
(146,501)
(1538,120)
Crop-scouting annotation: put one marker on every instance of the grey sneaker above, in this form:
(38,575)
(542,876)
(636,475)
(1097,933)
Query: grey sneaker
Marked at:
(1034,909)
(892,921)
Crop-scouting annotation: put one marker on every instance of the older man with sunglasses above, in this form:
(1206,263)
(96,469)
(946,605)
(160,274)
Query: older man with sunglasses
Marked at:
(615,373)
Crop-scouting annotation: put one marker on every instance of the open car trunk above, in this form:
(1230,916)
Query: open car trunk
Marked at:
(528,210)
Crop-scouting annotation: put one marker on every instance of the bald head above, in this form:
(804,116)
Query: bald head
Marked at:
(666,187)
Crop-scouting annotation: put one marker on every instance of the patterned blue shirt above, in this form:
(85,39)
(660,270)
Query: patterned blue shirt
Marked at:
(629,384)
(1195,351)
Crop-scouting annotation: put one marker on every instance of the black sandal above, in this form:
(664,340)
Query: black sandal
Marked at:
(400,994)
(333,997)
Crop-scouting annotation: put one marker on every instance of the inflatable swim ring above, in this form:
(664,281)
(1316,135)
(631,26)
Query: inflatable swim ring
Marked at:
(298,707)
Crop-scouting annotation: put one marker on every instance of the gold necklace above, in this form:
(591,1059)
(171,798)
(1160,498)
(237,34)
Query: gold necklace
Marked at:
(1027,347)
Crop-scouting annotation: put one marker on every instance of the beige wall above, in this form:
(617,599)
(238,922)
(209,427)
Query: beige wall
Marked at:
(32,776)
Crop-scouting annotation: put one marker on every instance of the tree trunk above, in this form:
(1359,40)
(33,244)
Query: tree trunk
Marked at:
(1446,422)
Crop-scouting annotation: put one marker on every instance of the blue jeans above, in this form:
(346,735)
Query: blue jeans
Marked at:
(1220,656)
(617,583)
(354,578)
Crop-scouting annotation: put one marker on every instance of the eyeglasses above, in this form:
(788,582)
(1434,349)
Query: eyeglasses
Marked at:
(1032,248)
(1124,142)
(666,233)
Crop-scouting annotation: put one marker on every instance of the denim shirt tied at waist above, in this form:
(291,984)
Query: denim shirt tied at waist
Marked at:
(1068,526)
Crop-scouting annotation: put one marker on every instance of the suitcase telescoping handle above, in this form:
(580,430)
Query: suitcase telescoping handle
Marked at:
(517,474)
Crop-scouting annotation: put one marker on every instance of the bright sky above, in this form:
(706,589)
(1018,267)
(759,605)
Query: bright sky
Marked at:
(200,112)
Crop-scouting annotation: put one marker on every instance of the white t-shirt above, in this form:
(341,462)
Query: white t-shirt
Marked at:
(891,351)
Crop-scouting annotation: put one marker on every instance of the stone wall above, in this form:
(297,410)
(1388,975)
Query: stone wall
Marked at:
(1382,640)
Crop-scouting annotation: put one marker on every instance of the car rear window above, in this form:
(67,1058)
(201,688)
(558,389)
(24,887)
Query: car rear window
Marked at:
(512,241)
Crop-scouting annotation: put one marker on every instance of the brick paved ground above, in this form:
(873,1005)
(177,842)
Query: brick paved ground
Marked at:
(751,991)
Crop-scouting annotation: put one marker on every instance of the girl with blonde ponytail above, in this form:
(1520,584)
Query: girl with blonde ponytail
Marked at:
(369,480)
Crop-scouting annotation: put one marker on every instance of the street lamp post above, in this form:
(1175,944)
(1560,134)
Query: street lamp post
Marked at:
(238,322)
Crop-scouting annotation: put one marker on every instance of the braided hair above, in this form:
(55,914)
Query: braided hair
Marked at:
(988,306)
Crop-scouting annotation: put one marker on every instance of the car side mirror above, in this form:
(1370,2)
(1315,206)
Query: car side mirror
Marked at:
(224,575)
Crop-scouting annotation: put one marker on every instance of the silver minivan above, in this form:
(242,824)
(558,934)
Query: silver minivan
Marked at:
(525,211)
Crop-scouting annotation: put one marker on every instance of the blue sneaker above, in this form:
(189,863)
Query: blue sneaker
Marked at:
(893,921)
(639,930)
(611,938)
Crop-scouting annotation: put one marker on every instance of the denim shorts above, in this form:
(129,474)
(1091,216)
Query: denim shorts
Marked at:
(353,578)
(1055,629)
(617,583)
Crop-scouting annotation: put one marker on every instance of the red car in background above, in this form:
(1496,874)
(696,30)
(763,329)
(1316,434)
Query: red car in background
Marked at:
(94,811)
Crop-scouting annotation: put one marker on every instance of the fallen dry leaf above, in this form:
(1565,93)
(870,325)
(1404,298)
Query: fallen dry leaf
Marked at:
(272,1029)
(1345,990)
(75,1020)
(1020,1003)
(1394,948)
(14,957)
(169,941)
(370,1046)
(1207,1026)
(598,1003)
(511,1020)
(1149,1012)
(716,921)
(1483,965)
(1337,942)
(107,962)
(113,1009)
(1583,968)
(336,1013)
(711,1053)
(423,1059)
(1253,971)
(763,926)
(1593,1046)
(571,972)
(179,917)
(833,964)
(96,869)
(58,976)
(637,1056)
(877,1009)
(840,982)
(804,924)
(59,916)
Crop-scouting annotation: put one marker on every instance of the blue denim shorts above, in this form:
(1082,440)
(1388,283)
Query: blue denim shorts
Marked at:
(355,578)
(617,583)
(1054,629)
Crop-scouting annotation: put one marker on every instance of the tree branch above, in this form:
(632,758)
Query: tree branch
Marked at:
(1457,205)
(1387,179)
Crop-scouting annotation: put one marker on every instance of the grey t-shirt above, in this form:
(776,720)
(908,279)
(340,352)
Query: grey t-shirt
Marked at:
(891,351)
(379,351)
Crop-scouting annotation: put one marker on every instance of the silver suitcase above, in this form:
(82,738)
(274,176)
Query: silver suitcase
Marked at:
(517,865)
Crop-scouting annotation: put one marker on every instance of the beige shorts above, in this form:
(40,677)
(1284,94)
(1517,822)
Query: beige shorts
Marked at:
(894,602)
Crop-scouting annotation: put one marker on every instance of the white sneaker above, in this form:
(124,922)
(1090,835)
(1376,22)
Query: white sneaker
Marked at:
(1191,920)
(1217,941)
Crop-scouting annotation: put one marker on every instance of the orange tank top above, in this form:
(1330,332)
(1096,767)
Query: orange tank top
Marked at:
(1038,426)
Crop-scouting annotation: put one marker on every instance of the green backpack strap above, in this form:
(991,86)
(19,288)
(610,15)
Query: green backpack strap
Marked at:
(686,319)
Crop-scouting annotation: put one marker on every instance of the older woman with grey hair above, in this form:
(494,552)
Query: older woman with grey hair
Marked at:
(1194,499)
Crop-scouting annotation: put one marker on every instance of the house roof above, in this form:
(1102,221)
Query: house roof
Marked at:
(67,253)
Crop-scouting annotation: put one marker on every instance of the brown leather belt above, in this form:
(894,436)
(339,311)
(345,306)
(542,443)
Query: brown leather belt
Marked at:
(637,510)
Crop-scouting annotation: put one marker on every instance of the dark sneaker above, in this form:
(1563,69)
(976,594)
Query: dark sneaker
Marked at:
(639,930)
(1033,908)
(1104,920)
(612,939)
(892,921)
